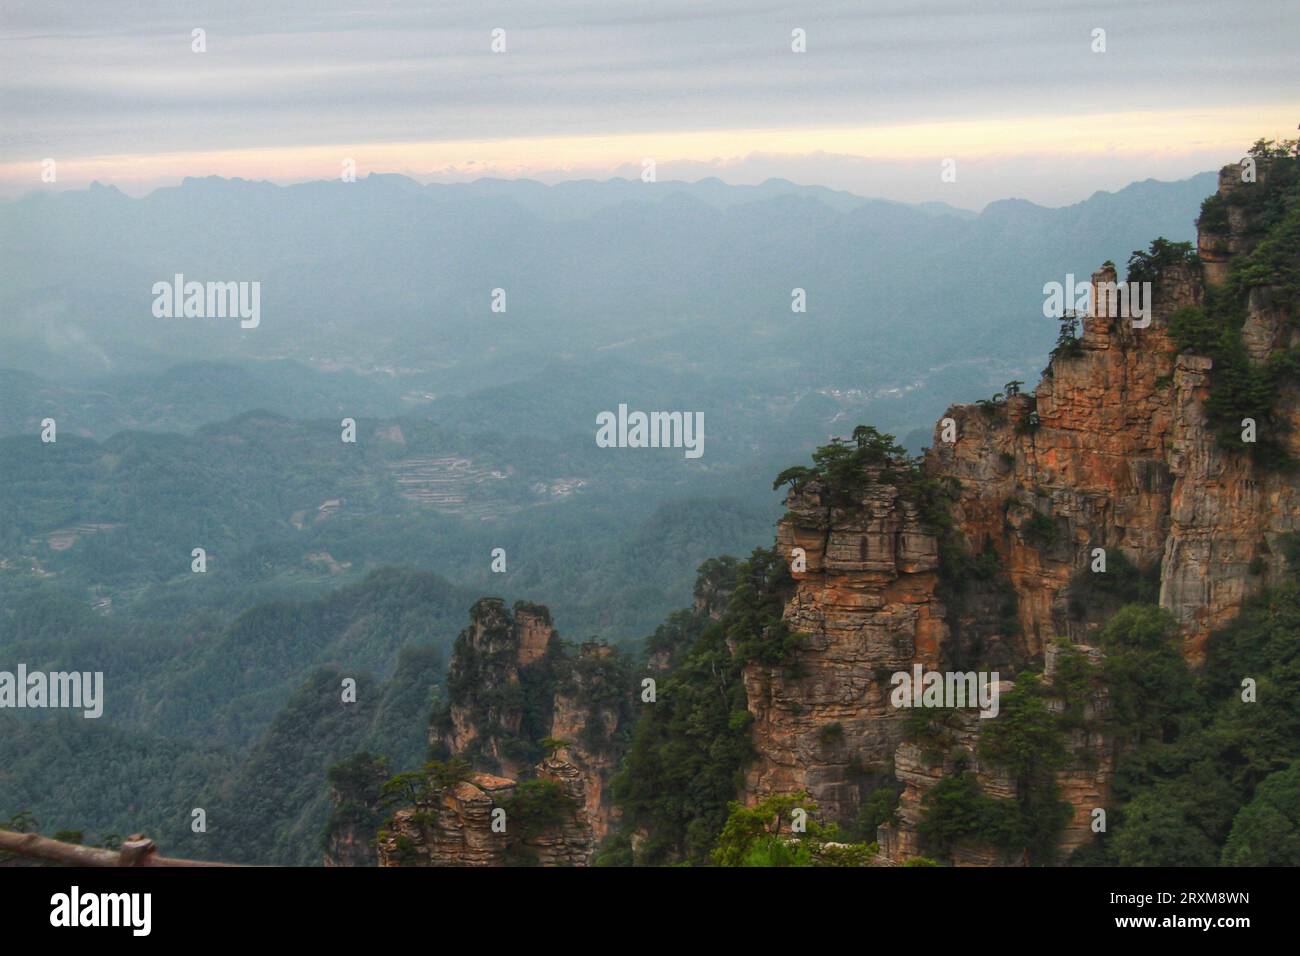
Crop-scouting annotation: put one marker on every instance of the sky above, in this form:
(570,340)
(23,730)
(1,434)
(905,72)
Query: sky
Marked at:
(1016,94)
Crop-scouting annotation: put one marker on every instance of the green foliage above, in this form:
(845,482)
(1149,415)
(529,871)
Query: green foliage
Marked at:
(763,836)
(754,619)
(846,469)
(1099,594)
(689,750)
(1241,388)
(1199,754)
(512,716)
(356,785)
(277,805)
(763,832)
(842,465)
(1152,693)
(933,729)
(535,807)
(954,810)
(879,808)
(1041,530)
(1074,679)
(832,733)
(1067,345)
(962,568)
(1159,829)
(119,777)
(1162,256)
(1290,547)
(615,851)
(773,851)
(964,577)
(442,774)
(1214,215)
(1266,831)
(1027,739)
(846,854)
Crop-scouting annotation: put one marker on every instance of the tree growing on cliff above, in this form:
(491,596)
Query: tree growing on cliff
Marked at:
(1162,256)
(1067,339)
(842,465)
(1198,751)
(761,835)
(356,784)
(689,750)
(845,470)
(536,806)
(765,835)
(1240,385)
(1266,832)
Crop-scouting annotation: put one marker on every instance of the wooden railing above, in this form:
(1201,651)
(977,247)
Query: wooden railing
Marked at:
(137,850)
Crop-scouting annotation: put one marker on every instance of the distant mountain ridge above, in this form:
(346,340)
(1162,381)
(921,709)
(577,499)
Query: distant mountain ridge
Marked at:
(365,276)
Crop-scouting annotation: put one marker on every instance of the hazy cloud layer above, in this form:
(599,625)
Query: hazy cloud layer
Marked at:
(83,79)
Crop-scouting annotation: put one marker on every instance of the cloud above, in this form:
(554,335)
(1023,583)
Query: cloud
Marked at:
(85,80)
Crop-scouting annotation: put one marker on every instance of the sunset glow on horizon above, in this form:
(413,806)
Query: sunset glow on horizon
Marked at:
(1169,134)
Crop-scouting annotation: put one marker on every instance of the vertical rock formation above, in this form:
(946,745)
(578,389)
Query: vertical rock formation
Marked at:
(522,706)
(867,601)
(452,828)
(497,660)
(1114,450)
(591,705)
(1080,464)
(455,826)
(354,787)
(1083,780)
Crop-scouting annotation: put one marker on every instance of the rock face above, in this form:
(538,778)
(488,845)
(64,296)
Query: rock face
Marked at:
(355,792)
(585,716)
(350,838)
(1083,780)
(1092,473)
(867,601)
(485,722)
(513,684)
(1113,450)
(454,827)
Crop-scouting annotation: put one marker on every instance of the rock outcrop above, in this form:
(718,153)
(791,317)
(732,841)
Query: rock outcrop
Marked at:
(867,601)
(470,823)
(1113,452)
(522,707)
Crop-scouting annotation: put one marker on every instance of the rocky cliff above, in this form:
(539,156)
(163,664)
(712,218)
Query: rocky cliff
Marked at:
(1120,453)
(524,708)
(482,822)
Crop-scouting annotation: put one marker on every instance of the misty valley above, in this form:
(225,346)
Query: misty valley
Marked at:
(368,581)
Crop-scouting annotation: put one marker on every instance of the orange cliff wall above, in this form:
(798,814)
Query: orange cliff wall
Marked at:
(1121,458)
